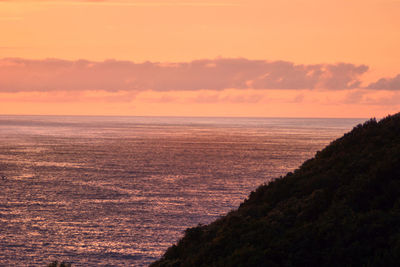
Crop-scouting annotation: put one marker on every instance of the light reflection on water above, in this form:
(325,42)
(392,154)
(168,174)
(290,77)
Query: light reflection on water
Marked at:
(120,190)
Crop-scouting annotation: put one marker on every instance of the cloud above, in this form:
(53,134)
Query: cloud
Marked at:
(385,101)
(386,83)
(69,97)
(298,98)
(286,75)
(355,97)
(18,75)
(217,98)
(367,97)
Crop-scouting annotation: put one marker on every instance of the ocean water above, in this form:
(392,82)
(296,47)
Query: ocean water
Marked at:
(117,191)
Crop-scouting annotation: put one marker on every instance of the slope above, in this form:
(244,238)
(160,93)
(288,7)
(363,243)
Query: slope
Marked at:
(341,207)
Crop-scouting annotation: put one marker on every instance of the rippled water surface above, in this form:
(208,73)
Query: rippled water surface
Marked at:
(117,191)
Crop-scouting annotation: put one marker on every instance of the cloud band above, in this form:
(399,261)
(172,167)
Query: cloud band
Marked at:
(18,75)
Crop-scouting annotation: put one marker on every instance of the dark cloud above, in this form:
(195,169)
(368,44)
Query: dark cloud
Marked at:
(216,74)
(386,84)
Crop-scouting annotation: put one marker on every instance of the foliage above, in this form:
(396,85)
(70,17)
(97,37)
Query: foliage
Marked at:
(340,208)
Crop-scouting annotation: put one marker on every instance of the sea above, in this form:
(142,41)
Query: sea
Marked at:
(118,191)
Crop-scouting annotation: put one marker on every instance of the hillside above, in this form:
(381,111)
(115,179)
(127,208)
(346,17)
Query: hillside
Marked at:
(340,208)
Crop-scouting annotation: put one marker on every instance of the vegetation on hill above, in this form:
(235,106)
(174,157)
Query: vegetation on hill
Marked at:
(340,208)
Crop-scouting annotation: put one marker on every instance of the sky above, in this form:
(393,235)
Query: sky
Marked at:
(257,58)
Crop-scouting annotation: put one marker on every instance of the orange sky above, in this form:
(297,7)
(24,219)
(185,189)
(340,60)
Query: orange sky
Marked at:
(302,33)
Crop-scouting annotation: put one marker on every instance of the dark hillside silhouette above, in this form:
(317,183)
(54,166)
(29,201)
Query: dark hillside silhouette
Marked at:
(340,208)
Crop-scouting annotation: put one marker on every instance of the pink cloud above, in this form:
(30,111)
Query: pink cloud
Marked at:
(23,75)
(217,98)
(386,83)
